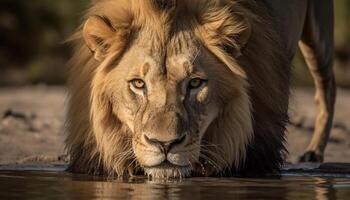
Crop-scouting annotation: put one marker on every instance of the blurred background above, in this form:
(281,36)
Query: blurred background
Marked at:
(32,34)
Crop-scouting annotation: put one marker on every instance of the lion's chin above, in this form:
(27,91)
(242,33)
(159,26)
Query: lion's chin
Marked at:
(168,171)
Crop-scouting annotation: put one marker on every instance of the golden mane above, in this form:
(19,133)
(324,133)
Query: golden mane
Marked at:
(219,25)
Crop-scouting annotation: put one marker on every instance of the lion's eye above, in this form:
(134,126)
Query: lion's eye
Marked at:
(138,83)
(196,83)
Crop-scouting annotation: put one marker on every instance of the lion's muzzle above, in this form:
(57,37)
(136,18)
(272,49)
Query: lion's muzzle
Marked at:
(164,159)
(165,146)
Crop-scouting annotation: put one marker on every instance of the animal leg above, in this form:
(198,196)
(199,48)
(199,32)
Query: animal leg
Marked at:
(317,47)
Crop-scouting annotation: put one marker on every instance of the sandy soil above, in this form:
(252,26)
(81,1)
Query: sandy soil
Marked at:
(32,124)
(303,112)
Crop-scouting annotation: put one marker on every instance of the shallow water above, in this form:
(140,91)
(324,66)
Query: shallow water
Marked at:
(61,185)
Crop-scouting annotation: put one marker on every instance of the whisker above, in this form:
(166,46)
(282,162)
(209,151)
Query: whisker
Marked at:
(218,155)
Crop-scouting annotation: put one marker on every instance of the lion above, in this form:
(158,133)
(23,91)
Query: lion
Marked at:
(172,89)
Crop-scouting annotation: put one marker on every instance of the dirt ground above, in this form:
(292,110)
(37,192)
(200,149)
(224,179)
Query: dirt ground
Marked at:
(32,125)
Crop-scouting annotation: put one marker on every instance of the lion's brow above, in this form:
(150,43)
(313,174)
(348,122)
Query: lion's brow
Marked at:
(145,69)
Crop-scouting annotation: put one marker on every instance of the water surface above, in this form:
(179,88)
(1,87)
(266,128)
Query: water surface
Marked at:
(62,185)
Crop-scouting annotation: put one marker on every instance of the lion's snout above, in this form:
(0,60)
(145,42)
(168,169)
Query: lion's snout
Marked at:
(164,138)
(165,146)
(156,150)
(166,158)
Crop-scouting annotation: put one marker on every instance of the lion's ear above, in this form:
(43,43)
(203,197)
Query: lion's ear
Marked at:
(237,32)
(228,31)
(97,33)
(226,34)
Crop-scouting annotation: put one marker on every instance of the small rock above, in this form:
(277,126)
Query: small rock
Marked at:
(17,115)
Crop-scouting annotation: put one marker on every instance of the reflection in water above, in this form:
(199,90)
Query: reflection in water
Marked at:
(324,189)
(29,185)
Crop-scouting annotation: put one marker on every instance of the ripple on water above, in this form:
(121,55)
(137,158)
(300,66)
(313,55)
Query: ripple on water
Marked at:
(62,185)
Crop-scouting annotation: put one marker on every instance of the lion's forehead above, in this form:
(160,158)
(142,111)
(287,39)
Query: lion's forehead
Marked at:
(180,47)
(162,65)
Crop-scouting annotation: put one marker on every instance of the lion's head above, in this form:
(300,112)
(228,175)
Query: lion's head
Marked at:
(157,88)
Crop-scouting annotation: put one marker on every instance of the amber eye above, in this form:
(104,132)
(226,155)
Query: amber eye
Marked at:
(196,83)
(138,83)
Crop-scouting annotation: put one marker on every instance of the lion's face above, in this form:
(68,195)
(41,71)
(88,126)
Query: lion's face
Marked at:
(165,98)
(167,103)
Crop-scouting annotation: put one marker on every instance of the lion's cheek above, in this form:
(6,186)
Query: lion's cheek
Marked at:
(207,118)
(126,116)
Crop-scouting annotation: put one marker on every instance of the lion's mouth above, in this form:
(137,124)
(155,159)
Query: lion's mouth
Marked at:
(167,170)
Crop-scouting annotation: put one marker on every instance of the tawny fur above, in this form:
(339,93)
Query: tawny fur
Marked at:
(248,134)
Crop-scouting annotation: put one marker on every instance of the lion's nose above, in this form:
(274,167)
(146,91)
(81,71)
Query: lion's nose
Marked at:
(165,146)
